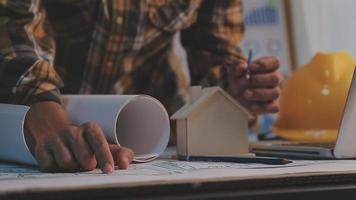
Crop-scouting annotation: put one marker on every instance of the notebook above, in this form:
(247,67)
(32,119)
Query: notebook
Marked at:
(344,147)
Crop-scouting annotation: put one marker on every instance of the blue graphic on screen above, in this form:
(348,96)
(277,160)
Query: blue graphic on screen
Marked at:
(266,15)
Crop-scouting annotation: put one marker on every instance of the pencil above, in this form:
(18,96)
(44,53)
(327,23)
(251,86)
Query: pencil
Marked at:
(249,59)
(239,159)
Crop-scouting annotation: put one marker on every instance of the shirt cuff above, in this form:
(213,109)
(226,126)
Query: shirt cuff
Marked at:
(53,95)
(38,83)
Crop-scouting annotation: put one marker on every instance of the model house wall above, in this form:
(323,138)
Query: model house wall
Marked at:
(213,123)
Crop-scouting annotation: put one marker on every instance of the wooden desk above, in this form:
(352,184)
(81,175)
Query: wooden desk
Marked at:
(341,185)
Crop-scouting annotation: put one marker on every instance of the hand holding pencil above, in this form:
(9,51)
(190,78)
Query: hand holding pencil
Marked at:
(249,59)
(255,83)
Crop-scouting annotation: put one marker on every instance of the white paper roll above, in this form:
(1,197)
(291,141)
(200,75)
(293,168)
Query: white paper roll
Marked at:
(139,122)
(13,146)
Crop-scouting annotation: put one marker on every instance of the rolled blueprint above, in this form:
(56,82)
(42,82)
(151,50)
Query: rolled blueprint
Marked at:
(12,141)
(139,122)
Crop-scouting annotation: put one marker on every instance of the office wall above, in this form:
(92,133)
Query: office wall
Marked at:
(323,25)
(266,30)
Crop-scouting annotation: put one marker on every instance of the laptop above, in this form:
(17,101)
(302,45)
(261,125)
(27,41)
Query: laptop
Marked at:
(343,148)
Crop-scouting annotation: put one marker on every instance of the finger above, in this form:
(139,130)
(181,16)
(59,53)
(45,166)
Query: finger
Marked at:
(45,159)
(262,95)
(267,80)
(73,137)
(97,142)
(123,156)
(237,68)
(263,108)
(237,85)
(63,157)
(264,65)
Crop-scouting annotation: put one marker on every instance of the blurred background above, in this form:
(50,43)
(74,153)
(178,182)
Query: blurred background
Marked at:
(295,31)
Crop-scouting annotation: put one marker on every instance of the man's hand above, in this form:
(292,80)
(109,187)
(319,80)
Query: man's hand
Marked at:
(58,145)
(260,93)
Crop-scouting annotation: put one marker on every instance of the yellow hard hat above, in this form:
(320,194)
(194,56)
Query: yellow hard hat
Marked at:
(313,99)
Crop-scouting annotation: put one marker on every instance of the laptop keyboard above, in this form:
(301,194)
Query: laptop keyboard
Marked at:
(312,144)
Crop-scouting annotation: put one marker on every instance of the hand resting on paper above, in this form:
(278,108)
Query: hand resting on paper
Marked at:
(58,145)
(260,92)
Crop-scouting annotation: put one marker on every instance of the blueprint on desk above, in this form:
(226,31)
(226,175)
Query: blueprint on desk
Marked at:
(14,178)
(154,168)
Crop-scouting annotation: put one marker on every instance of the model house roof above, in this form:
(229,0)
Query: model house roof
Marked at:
(189,108)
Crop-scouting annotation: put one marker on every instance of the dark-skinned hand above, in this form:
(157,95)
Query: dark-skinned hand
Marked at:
(58,145)
(259,92)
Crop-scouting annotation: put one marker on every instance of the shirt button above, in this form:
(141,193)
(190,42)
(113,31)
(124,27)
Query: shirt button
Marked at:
(119,20)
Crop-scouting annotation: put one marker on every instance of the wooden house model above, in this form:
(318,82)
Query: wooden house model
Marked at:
(212,124)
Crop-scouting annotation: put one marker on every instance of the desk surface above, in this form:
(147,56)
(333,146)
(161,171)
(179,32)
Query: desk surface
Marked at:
(341,186)
(167,178)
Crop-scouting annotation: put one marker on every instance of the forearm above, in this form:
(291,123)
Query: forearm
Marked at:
(212,40)
(205,68)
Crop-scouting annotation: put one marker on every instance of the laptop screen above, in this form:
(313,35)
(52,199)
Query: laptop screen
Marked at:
(346,139)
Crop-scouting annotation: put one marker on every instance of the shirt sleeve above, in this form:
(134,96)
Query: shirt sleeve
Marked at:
(213,39)
(27,74)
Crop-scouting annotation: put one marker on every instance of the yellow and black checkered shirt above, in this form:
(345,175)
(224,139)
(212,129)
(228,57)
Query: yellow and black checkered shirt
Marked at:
(50,47)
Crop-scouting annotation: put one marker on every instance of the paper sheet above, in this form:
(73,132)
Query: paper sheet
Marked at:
(162,171)
(139,122)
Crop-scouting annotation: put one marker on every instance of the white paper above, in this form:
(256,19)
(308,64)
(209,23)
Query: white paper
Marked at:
(136,121)
(12,142)
(139,122)
(163,171)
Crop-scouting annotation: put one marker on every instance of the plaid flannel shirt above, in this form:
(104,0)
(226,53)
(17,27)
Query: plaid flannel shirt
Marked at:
(114,47)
